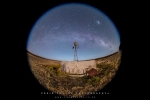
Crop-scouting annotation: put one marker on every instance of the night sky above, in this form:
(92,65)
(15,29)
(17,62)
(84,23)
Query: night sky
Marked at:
(55,32)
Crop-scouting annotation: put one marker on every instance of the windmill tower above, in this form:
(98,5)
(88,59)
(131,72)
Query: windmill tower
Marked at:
(75,47)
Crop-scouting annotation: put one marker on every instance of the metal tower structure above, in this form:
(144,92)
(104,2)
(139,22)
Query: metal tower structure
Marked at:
(75,47)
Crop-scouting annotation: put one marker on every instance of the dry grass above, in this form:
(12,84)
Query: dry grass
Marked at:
(49,74)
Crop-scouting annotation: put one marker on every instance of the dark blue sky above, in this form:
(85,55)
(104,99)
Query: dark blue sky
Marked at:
(55,32)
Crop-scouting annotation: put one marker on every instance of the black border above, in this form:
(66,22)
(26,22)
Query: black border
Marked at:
(126,15)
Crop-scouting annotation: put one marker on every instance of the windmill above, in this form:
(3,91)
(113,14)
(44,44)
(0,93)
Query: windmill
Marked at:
(75,47)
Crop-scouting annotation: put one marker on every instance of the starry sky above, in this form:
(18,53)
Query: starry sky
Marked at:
(54,33)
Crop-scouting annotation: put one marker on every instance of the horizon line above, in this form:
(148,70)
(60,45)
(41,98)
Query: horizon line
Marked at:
(70,61)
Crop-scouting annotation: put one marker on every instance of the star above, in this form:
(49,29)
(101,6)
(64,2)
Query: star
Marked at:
(64,25)
(97,21)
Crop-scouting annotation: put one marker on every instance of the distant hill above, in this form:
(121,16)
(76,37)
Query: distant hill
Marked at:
(111,55)
(108,56)
(31,54)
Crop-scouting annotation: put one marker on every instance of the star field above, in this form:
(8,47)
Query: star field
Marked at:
(54,33)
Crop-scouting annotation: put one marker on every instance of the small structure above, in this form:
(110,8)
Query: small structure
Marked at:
(92,72)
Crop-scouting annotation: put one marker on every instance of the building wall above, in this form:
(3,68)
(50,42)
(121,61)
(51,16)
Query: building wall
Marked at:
(79,67)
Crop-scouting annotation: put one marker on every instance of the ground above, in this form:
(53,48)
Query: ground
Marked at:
(55,75)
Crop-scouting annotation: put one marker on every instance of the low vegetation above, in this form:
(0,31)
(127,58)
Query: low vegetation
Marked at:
(52,78)
(93,81)
(104,69)
(56,70)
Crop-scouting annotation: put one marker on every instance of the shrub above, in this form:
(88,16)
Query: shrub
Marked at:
(97,79)
(99,65)
(89,81)
(62,73)
(93,80)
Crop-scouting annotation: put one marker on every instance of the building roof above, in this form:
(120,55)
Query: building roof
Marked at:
(92,72)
